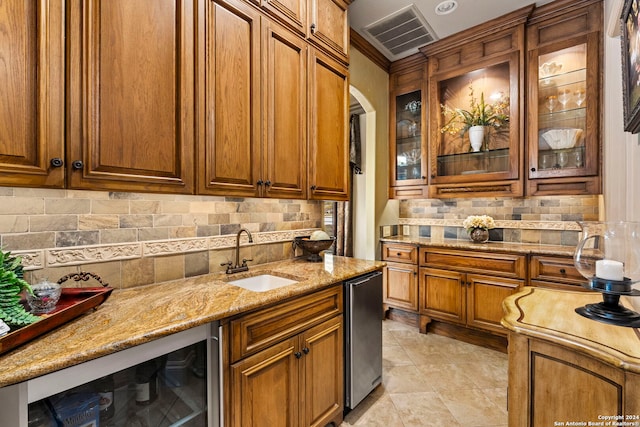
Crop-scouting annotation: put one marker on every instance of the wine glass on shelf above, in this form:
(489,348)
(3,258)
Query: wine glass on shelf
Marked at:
(563,159)
(580,96)
(579,162)
(563,97)
(552,102)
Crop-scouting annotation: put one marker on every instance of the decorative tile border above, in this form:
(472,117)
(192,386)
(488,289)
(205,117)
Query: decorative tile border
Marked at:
(55,257)
(521,225)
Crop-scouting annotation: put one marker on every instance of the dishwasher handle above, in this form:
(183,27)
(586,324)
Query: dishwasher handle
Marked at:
(359,281)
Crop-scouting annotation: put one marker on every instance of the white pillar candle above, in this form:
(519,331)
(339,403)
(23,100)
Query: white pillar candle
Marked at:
(608,269)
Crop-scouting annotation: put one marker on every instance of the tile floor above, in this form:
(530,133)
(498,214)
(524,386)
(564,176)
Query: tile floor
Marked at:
(432,381)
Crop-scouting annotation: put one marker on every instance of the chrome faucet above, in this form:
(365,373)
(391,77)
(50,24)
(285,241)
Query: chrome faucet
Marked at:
(237,267)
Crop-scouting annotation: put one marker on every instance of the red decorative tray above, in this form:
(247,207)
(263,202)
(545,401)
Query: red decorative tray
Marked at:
(73,302)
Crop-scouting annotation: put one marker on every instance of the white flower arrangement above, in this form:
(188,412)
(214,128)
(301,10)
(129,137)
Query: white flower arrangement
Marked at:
(484,222)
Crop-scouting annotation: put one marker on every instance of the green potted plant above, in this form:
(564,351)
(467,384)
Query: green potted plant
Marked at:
(478,120)
(12,284)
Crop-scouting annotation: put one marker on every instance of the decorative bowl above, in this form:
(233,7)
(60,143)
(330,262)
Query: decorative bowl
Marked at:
(559,139)
(312,247)
(44,298)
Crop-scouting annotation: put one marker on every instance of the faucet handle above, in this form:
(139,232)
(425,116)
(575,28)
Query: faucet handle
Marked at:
(229,265)
(244,261)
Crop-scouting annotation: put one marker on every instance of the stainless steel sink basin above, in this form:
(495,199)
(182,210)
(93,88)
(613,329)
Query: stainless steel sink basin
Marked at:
(262,282)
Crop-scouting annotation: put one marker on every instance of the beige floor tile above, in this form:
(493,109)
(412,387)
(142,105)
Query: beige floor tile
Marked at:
(377,410)
(446,377)
(395,355)
(423,409)
(404,379)
(472,408)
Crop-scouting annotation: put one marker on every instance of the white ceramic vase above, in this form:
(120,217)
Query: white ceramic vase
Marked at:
(476,137)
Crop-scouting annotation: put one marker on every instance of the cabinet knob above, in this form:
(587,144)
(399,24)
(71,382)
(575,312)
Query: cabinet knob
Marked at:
(313,187)
(56,162)
(305,350)
(563,271)
(259,182)
(533,169)
(267,183)
(313,28)
(424,177)
(297,354)
(77,164)
(433,177)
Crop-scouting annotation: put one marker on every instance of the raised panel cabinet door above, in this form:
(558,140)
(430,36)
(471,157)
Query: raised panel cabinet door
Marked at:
(329,27)
(442,294)
(322,375)
(328,130)
(401,286)
(292,13)
(484,300)
(132,94)
(230,155)
(32,88)
(265,388)
(284,170)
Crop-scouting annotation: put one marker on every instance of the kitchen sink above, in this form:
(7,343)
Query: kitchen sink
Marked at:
(262,282)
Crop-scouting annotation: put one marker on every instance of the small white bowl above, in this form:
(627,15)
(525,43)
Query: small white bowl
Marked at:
(559,139)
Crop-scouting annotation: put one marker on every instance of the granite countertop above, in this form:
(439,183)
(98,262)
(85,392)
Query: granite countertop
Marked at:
(520,248)
(134,316)
(549,314)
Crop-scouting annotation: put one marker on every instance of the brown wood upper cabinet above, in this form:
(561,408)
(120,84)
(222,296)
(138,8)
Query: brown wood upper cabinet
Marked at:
(292,13)
(32,87)
(329,27)
(131,94)
(487,62)
(328,130)
(252,149)
(408,130)
(564,43)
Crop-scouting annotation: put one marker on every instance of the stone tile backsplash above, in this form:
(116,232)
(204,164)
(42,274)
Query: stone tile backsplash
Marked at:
(542,220)
(132,239)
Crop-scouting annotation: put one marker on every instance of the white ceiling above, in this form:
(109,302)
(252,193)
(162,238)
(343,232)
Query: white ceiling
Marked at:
(468,13)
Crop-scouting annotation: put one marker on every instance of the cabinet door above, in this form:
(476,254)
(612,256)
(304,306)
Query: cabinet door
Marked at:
(328,130)
(484,300)
(32,87)
(264,388)
(322,375)
(292,13)
(284,171)
(131,116)
(401,286)
(442,294)
(564,103)
(407,135)
(329,27)
(230,156)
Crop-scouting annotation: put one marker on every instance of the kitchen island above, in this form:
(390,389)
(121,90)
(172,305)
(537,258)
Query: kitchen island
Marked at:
(142,314)
(565,368)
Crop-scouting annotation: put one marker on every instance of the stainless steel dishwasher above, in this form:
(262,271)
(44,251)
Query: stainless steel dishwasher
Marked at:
(363,337)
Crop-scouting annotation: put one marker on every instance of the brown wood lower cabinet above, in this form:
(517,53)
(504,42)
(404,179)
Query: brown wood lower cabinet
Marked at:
(287,364)
(400,280)
(563,385)
(467,287)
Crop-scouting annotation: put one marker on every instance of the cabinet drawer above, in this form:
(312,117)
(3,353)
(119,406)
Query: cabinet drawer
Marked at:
(261,329)
(398,252)
(555,269)
(502,264)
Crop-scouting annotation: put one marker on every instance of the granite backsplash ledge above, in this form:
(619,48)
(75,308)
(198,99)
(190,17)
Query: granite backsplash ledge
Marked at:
(550,220)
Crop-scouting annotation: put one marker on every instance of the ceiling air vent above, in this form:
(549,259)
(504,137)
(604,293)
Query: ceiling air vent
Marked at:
(401,31)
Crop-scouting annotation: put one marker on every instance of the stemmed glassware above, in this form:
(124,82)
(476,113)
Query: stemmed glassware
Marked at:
(580,96)
(563,96)
(552,102)
(563,159)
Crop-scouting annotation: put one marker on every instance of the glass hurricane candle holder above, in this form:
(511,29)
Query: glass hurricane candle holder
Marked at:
(608,256)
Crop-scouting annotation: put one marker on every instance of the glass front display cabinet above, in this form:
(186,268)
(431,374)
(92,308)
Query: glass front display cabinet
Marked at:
(564,96)
(407,131)
(477,136)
